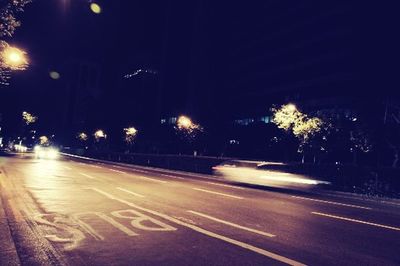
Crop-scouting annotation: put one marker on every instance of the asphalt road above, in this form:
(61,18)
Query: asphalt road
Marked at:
(68,212)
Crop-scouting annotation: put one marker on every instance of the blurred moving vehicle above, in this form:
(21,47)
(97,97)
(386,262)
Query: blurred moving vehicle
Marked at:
(264,173)
(20,148)
(46,152)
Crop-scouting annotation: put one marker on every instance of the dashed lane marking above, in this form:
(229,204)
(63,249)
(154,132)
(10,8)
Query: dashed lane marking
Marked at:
(130,192)
(232,224)
(224,185)
(117,171)
(356,221)
(86,175)
(333,202)
(217,193)
(244,245)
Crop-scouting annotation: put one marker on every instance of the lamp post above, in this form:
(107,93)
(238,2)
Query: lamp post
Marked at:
(14,58)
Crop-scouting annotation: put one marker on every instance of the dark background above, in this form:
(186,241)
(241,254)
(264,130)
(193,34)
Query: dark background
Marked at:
(215,61)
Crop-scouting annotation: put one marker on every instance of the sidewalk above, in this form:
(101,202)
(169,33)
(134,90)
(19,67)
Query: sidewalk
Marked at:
(8,253)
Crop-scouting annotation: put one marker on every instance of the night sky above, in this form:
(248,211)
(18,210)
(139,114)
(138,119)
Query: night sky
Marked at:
(213,60)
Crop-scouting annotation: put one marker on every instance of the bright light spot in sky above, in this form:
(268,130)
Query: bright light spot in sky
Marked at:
(95,8)
(14,57)
(54,75)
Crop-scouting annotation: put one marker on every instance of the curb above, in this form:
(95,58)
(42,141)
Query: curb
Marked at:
(8,251)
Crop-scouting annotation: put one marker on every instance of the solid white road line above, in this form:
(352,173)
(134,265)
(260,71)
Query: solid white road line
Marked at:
(217,193)
(67,168)
(232,224)
(136,176)
(205,232)
(130,192)
(223,185)
(88,176)
(150,179)
(117,171)
(357,221)
(94,166)
(172,176)
(333,202)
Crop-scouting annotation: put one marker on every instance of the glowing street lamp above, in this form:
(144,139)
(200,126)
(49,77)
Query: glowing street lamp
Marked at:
(184,122)
(95,8)
(291,107)
(14,58)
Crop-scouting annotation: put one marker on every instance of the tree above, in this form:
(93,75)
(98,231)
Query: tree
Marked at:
(8,25)
(290,119)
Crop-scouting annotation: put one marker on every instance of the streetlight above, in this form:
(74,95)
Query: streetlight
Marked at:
(291,107)
(14,58)
(95,8)
(184,122)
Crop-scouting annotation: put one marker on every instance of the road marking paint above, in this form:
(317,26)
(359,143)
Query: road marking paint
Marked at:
(142,177)
(333,202)
(357,221)
(224,185)
(58,223)
(106,218)
(94,166)
(88,176)
(217,193)
(232,224)
(205,232)
(130,192)
(67,168)
(141,171)
(141,221)
(150,179)
(81,163)
(117,171)
(172,176)
(360,197)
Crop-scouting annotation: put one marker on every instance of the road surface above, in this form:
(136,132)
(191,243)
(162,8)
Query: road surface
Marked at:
(71,212)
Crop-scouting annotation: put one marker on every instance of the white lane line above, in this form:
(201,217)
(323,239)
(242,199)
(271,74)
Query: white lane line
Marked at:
(223,185)
(172,176)
(67,168)
(357,221)
(142,177)
(82,164)
(130,192)
(232,224)
(217,193)
(94,166)
(150,179)
(88,176)
(333,202)
(140,171)
(117,171)
(205,232)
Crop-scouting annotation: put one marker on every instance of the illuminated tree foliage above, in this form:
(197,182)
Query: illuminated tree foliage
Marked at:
(29,118)
(8,25)
(290,119)
(130,135)
(187,128)
(82,136)
(44,140)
